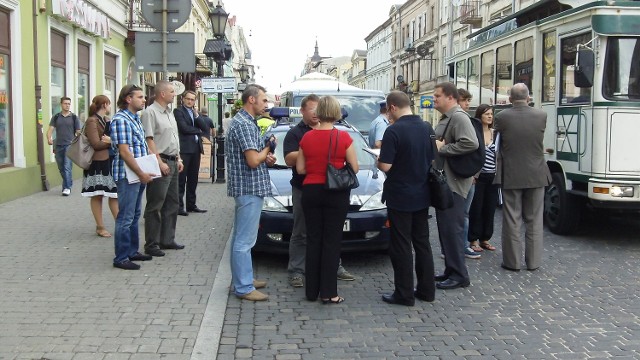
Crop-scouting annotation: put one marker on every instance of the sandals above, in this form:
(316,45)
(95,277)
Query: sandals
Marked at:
(475,246)
(486,245)
(332,301)
(102,232)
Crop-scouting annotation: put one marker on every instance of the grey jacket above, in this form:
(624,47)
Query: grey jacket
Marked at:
(460,139)
(520,158)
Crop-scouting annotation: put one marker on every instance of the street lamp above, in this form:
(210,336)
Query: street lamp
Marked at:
(243,72)
(219,49)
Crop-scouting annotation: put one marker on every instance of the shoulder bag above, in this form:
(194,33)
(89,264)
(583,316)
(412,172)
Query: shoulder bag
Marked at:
(339,179)
(80,151)
(439,191)
(467,165)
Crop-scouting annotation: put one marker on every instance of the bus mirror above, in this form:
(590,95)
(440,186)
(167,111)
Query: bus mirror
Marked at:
(583,73)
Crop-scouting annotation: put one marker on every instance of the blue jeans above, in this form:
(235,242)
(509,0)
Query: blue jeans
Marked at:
(64,166)
(243,238)
(126,237)
(467,207)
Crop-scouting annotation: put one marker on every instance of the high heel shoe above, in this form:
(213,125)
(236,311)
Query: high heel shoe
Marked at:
(331,301)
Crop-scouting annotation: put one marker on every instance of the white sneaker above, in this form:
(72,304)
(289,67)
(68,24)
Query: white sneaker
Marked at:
(66,192)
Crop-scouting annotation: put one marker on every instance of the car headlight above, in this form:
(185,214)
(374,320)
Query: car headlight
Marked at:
(271,204)
(374,203)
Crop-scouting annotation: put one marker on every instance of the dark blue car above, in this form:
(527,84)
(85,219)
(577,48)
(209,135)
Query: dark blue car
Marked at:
(366,226)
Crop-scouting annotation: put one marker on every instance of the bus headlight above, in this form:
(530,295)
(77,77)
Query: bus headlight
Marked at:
(621,191)
(374,203)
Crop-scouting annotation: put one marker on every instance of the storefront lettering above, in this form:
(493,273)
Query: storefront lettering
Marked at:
(3,97)
(1,62)
(84,15)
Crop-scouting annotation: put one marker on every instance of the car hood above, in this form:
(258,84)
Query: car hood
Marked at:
(371,181)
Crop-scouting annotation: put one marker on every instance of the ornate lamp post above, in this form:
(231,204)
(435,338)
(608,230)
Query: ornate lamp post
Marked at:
(219,49)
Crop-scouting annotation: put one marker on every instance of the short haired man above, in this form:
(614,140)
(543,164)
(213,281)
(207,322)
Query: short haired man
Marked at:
(377,127)
(161,211)
(523,175)
(464,99)
(128,142)
(225,123)
(406,155)
(460,139)
(298,241)
(210,126)
(190,128)
(248,183)
(67,126)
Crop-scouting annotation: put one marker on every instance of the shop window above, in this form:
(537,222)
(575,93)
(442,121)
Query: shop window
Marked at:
(58,70)
(6,153)
(110,79)
(83,81)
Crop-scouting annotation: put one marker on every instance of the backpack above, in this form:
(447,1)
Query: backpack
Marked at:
(73,117)
(467,165)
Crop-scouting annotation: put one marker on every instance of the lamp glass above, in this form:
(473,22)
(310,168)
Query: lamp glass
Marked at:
(243,72)
(218,18)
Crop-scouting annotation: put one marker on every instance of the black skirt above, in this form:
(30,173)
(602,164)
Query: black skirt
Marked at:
(98,181)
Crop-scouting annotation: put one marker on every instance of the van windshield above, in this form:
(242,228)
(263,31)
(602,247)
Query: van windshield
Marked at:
(361,109)
(621,70)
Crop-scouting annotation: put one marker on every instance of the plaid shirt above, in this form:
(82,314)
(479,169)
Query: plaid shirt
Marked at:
(243,135)
(126,128)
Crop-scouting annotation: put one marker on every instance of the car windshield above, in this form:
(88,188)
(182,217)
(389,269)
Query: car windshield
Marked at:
(361,110)
(621,76)
(365,160)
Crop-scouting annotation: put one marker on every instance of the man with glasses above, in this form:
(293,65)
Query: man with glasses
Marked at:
(190,128)
(67,126)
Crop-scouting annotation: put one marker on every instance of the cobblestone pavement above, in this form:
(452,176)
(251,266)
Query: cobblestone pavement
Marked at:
(60,297)
(582,304)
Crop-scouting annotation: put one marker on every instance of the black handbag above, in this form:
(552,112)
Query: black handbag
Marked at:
(339,179)
(439,192)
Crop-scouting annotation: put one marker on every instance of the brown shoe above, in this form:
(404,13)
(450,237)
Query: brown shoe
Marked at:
(259,284)
(255,295)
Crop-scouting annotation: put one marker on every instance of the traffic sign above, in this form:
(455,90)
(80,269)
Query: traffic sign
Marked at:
(178,12)
(219,85)
(180,55)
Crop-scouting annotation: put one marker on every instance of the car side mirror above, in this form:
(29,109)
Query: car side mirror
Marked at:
(585,63)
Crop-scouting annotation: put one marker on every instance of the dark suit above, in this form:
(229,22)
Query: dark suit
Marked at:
(190,133)
(523,173)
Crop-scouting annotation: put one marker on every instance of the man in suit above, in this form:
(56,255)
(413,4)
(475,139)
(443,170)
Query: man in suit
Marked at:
(190,128)
(523,173)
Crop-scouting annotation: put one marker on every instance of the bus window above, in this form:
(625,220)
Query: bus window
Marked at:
(524,63)
(472,81)
(461,74)
(504,74)
(549,67)
(486,79)
(621,76)
(570,94)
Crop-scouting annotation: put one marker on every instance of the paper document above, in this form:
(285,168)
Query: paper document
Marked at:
(374,152)
(148,164)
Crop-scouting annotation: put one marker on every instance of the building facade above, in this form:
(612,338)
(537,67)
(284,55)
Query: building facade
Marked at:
(378,71)
(358,71)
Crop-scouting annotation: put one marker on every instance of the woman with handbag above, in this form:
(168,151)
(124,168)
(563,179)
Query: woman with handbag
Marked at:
(325,209)
(97,181)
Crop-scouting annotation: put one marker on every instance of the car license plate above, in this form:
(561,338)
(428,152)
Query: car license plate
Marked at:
(347,225)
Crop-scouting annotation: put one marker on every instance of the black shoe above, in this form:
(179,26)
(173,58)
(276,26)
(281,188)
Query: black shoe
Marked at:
(440,277)
(450,284)
(181,212)
(154,252)
(140,257)
(418,295)
(533,269)
(127,265)
(391,299)
(196,210)
(508,268)
(173,246)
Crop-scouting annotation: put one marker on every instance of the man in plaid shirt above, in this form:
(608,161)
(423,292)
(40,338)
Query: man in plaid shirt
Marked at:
(128,142)
(248,183)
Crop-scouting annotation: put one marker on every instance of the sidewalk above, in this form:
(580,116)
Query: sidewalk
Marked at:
(60,297)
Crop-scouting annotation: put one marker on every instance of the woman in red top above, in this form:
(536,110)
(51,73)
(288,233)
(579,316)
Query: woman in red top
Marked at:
(324,210)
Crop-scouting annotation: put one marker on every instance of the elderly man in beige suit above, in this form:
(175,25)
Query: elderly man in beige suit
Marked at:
(523,173)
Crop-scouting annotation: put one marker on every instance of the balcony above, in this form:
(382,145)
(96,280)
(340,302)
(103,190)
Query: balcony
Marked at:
(470,13)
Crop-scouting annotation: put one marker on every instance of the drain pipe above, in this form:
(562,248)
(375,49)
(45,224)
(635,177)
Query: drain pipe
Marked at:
(39,128)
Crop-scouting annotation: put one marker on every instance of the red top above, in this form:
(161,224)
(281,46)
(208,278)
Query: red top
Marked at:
(315,145)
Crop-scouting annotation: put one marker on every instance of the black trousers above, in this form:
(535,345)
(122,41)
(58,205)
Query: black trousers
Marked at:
(411,229)
(450,229)
(324,213)
(189,178)
(483,208)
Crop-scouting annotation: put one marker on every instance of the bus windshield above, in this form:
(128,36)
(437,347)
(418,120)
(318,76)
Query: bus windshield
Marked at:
(621,72)
(361,110)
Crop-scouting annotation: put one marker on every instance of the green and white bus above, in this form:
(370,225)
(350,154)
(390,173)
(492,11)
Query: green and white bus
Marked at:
(581,62)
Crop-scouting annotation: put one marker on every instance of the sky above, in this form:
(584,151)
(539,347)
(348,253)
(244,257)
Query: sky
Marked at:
(283,32)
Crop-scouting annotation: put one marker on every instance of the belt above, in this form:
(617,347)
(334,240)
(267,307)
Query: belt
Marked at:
(168,157)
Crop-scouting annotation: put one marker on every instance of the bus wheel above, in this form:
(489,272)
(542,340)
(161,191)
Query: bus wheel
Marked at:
(561,210)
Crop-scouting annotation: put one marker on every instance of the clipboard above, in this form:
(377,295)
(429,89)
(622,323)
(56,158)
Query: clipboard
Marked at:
(374,152)
(148,164)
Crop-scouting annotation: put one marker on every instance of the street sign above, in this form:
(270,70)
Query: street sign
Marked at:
(180,58)
(178,12)
(426,102)
(219,85)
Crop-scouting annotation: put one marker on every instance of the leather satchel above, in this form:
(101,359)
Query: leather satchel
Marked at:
(80,151)
(439,192)
(339,179)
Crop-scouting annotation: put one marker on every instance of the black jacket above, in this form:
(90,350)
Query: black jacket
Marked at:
(187,130)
